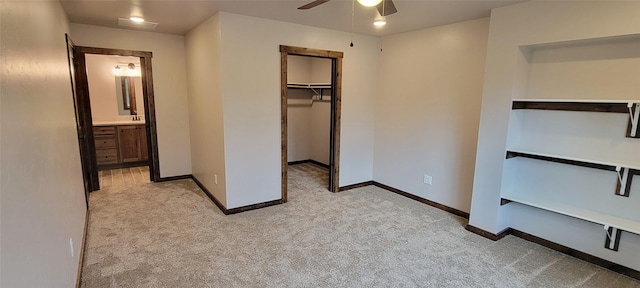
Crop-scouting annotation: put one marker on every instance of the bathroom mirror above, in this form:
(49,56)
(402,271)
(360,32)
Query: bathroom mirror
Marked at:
(126,95)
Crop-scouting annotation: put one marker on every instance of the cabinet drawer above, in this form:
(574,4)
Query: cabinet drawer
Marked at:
(107,156)
(105,142)
(104,130)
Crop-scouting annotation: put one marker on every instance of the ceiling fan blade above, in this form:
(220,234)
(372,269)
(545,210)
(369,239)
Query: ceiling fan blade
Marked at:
(313,4)
(386,7)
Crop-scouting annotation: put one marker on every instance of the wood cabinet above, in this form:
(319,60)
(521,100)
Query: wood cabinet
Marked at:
(142,138)
(120,145)
(132,143)
(106,141)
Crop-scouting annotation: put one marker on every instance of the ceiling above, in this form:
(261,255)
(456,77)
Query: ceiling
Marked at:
(178,17)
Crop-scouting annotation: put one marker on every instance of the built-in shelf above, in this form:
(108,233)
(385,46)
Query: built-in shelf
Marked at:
(575,212)
(585,162)
(625,170)
(574,158)
(587,105)
(632,107)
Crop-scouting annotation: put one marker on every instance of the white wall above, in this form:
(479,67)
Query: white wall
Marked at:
(308,131)
(42,193)
(320,70)
(428,108)
(205,106)
(298,69)
(169,82)
(534,23)
(320,126)
(599,70)
(298,132)
(251,92)
(106,102)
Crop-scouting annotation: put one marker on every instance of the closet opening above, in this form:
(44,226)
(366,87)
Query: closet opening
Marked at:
(311,84)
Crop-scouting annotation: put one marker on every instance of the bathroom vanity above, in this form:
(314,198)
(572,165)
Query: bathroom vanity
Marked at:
(121,144)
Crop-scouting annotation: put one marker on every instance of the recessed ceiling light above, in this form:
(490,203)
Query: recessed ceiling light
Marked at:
(136,19)
(380,22)
(138,25)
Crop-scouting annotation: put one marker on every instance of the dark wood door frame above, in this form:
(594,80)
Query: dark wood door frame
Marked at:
(336,96)
(83,102)
(81,130)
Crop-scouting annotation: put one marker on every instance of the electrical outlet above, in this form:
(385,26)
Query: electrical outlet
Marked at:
(71,246)
(427,179)
(215,178)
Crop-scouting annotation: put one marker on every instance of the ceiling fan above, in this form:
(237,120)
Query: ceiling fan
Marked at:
(385,7)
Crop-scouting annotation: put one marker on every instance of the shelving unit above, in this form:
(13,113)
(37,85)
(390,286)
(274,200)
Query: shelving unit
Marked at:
(625,170)
(632,107)
(611,153)
(591,163)
(568,210)
(612,225)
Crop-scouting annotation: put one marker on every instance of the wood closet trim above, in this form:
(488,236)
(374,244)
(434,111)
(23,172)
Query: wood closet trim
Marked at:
(334,162)
(301,51)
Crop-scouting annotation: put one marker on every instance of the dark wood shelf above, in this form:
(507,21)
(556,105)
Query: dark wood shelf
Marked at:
(612,107)
(511,154)
(625,172)
(575,212)
(631,107)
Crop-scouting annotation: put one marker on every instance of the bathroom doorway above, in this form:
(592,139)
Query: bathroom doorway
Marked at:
(128,138)
(335,87)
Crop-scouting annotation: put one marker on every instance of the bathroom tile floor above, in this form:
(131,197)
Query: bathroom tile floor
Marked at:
(124,177)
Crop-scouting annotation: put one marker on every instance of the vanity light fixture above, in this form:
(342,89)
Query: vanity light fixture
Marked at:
(117,71)
(132,69)
(136,19)
(369,3)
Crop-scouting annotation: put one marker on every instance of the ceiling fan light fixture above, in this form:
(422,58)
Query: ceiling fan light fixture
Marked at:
(379,22)
(369,3)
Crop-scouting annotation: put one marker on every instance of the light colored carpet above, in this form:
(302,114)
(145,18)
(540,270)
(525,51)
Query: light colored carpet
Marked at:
(171,235)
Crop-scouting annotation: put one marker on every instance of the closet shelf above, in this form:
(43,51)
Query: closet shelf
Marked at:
(575,212)
(309,85)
